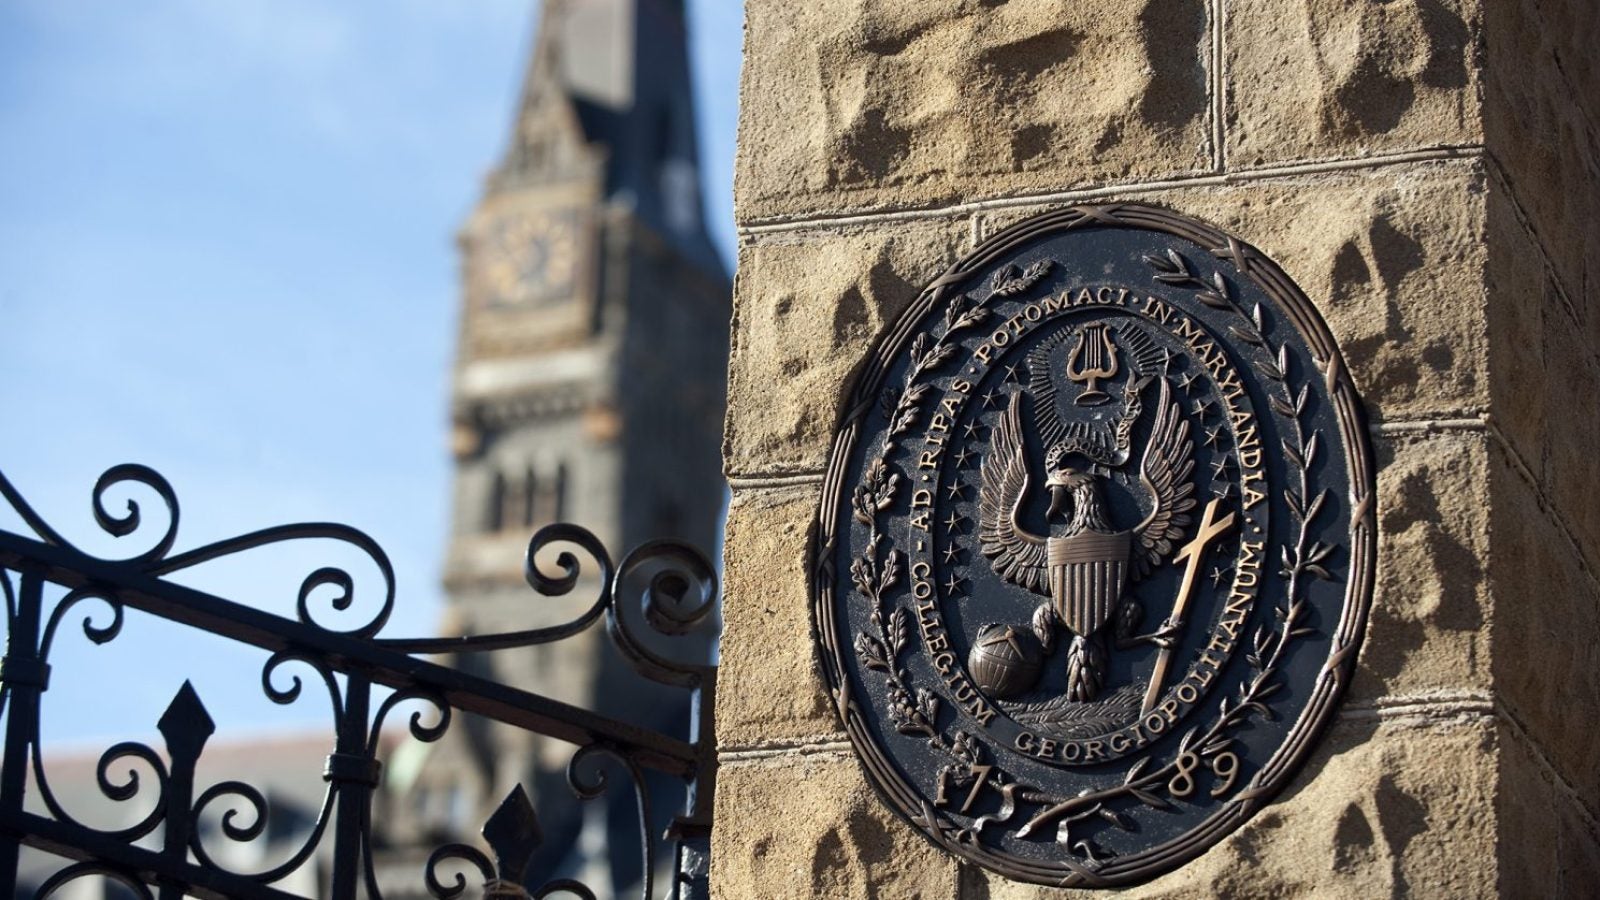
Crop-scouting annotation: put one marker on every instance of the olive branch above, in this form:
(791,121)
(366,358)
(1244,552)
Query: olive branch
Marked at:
(963,311)
(874,574)
(1218,293)
(913,712)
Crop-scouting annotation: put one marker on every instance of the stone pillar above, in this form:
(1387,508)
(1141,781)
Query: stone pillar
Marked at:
(1427,170)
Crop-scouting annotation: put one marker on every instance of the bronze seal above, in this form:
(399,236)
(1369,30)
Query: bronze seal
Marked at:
(1095,548)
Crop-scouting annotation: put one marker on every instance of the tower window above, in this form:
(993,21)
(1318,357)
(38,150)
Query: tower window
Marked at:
(527,499)
(494,511)
(548,503)
(560,513)
(530,499)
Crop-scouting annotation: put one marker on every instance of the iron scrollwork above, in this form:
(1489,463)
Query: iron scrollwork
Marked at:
(671,587)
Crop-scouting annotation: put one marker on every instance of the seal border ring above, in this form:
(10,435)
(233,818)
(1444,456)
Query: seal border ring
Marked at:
(1336,671)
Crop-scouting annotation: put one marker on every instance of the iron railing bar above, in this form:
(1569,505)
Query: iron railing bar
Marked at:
(340,652)
(22,726)
(149,866)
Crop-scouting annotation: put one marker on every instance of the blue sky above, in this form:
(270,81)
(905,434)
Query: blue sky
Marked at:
(226,251)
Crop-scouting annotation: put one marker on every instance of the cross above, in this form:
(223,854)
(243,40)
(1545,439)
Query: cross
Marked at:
(1192,555)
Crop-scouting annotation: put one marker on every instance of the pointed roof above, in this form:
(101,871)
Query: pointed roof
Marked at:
(613,76)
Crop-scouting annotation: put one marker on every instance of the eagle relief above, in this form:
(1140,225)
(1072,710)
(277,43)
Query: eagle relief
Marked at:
(1096,545)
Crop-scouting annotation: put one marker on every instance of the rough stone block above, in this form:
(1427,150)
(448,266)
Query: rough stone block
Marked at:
(1526,804)
(808,306)
(1577,853)
(1572,442)
(1546,638)
(1542,125)
(1566,30)
(820,832)
(768,686)
(1523,304)
(848,105)
(1548,844)
(1428,632)
(1394,260)
(1381,810)
(1332,79)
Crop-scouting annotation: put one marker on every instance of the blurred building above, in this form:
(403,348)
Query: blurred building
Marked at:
(589,387)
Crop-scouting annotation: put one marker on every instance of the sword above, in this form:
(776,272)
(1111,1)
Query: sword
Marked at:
(1193,553)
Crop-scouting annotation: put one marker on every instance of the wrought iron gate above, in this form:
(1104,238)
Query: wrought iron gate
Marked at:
(367,675)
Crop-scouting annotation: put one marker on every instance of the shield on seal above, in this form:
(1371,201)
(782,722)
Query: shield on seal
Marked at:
(1088,572)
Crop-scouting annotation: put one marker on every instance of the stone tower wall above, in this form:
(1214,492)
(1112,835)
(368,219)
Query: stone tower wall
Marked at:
(1427,170)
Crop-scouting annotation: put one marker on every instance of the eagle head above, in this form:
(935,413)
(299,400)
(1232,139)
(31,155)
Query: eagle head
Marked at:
(1067,477)
(1067,468)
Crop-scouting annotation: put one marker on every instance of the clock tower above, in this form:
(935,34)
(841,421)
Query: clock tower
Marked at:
(588,387)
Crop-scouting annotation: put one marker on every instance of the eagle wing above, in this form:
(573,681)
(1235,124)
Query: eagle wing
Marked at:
(1018,554)
(1165,472)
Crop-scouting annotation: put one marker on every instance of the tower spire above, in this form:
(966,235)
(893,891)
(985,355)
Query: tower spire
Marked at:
(596,93)
(591,370)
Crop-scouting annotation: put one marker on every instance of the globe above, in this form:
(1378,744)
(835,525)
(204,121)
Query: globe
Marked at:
(1005,660)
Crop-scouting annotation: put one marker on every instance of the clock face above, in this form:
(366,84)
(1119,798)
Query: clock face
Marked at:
(529,259)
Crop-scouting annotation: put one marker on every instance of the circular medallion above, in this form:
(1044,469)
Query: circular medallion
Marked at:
(1096,546)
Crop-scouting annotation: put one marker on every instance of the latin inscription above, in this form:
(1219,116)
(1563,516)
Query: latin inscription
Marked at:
(1092,540)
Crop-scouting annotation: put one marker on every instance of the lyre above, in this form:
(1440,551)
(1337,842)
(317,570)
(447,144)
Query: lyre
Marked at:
(1091,361)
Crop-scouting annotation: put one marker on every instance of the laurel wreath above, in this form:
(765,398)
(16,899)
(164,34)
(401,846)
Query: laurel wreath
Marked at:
(965,310)
(873,576)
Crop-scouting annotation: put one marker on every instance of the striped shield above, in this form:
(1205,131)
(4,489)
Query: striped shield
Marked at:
(1087,574)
